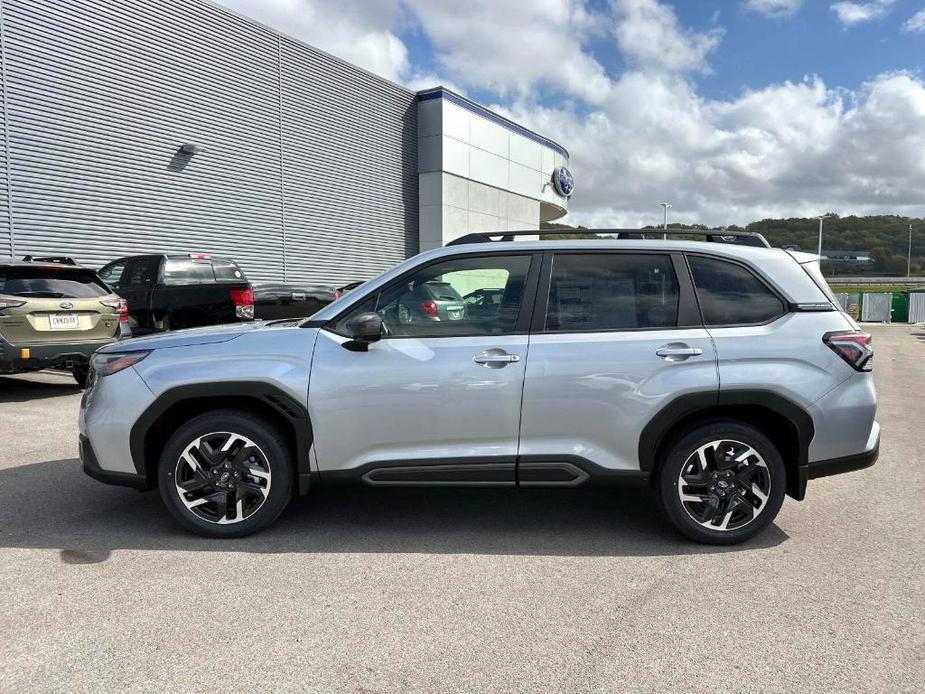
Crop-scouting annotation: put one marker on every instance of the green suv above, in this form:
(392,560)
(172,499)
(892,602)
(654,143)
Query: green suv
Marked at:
(55,315)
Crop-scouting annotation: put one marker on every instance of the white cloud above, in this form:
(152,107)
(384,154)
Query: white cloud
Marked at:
(916,22)
(774,8)
(648,34)
(787,149)
(357,31)
(851,13)
(512,47)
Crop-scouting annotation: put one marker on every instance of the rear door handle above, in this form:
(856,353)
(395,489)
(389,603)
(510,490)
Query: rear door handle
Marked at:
(678,352)
(495,358)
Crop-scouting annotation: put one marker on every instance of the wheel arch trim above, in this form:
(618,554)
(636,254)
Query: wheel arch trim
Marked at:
(654,433)
(271,396)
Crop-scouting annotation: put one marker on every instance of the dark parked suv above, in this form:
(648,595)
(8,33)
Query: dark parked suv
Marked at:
(167,292)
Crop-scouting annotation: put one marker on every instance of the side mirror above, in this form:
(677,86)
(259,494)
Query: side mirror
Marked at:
(364,328)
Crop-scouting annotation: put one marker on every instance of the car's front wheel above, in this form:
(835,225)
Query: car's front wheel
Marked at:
(721,483)
(226,474)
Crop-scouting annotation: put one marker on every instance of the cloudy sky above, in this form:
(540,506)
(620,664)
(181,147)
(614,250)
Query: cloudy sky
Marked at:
(732,110)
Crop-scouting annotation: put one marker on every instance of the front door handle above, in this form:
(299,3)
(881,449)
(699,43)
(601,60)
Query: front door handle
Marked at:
(495,358)
(678,351)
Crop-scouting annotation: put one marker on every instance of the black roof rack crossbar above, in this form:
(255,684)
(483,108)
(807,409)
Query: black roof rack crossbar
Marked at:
(56,259)
(743,238)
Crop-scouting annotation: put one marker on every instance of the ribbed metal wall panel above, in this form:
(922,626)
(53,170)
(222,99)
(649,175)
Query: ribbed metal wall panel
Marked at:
(308,163)
(351,190)
(6,237)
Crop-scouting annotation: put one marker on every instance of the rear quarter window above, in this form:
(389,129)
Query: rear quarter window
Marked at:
(51,283)
(730,294)
(227,272)
(188,272)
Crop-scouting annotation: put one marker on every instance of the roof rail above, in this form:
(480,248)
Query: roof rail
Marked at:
(742,238)
(56,259)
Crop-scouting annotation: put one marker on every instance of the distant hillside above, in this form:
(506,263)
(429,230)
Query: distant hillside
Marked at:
(884,237)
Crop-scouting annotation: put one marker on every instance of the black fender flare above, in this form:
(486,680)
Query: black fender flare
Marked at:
(654,432)
(282,403)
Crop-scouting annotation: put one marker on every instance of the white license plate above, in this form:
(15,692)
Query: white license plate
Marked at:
(454,314)
(64,321)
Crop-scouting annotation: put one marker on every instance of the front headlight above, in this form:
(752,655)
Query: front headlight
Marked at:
(109,363)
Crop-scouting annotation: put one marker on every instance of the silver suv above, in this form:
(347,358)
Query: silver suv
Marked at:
(720,375)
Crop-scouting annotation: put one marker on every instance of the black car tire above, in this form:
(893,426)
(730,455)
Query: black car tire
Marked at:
(81,373)
(275,455)
(681,453)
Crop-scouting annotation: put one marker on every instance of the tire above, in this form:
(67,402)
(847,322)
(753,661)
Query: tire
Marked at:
(80,375)
(233,492)
(732,479)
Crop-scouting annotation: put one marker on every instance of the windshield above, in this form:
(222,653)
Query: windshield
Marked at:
(51,283)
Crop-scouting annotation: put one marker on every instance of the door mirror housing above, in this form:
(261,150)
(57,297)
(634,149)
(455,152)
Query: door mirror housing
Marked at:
(364,328)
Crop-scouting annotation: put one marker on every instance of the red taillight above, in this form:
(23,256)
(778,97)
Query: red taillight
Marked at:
(242,297)
(430,308)
(243,300)
(852,346)
(119,306)
(199,256)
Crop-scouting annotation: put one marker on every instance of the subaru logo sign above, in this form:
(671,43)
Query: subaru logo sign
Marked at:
(563,182)
(66,305)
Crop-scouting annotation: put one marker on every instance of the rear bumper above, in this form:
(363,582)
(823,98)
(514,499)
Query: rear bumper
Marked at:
(47,356)
(91,467)
(846,463)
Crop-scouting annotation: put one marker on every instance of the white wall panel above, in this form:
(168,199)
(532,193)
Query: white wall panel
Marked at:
(489,136)
(526,152)
(455,120)
(455,157)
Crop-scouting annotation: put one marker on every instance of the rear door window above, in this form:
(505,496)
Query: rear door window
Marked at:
(731,294)
(51,283)
(140,272)
(611,291)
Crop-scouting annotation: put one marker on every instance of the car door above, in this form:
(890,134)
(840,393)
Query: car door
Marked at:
(136,285)
(616,337)
(437,400)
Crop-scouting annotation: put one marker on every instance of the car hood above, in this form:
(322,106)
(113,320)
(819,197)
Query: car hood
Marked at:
(192,336)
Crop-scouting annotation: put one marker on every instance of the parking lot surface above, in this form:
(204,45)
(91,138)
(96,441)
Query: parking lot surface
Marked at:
(459,590)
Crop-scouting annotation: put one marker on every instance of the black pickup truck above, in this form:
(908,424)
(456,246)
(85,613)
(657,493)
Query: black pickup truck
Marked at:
(167,292)
(273,300)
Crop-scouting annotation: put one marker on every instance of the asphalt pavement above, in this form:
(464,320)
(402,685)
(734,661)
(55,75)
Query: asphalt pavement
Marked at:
(465,590)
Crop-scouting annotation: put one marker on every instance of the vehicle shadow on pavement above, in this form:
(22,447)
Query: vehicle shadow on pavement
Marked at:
(23,390)
(54,505)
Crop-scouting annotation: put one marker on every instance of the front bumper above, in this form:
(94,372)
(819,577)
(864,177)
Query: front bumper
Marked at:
(91,466)
(47,356)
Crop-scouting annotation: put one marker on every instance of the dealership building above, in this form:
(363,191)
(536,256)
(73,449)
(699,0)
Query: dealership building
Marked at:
(179,126)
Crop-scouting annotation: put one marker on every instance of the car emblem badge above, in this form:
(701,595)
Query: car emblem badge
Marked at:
(563,182)
(66,305)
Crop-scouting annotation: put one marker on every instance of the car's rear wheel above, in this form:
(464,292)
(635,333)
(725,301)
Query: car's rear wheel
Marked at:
(226,474)
(721,483)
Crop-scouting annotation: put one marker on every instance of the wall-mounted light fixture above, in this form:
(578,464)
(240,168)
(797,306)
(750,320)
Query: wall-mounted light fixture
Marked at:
(190,148)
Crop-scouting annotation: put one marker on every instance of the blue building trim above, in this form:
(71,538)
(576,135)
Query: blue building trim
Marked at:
(472,107)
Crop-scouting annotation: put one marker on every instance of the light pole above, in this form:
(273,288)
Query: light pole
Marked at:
(909,254)
(820,218)
(666,205)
